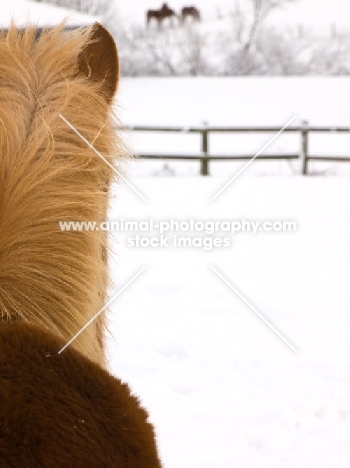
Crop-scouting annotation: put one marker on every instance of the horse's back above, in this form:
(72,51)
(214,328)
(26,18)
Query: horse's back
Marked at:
(63,410)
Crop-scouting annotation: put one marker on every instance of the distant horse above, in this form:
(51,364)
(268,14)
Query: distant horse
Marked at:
(160,15)
(59,408)
(190,12)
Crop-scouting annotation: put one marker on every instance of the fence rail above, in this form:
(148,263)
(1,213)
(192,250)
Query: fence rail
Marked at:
(205,157)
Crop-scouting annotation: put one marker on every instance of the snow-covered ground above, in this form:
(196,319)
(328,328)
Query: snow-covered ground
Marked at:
(222,388)
(234,101)
(253,101)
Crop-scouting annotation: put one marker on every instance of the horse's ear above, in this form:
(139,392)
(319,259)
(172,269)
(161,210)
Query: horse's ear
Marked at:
(99,61)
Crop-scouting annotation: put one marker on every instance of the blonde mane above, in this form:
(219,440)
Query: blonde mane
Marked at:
(48,174)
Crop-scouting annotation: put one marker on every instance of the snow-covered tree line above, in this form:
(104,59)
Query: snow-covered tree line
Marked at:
(240,45)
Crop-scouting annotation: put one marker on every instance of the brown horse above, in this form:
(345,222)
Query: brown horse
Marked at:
(190,12)
(59,409)
(160,15)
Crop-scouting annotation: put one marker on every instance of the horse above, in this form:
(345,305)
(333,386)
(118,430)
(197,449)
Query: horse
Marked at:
(160,15)
(190,12)
(60,408)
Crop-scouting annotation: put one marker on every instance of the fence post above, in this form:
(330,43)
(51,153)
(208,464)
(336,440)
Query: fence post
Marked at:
(205,146)
(304,147)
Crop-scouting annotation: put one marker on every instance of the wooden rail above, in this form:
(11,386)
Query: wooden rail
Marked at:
(205,157)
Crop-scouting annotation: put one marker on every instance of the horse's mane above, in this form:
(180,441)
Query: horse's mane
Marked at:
(47,175)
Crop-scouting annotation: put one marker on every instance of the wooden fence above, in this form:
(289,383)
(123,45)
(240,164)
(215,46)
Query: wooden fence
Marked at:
(205,157)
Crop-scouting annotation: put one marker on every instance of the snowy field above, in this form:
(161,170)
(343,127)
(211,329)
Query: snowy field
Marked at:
(252,101)
(222,388)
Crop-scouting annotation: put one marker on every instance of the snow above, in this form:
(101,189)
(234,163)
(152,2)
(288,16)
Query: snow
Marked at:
(253,101)
(234,101)
(223,390)
(42,14)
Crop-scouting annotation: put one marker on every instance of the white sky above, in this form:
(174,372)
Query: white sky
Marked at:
(42,14)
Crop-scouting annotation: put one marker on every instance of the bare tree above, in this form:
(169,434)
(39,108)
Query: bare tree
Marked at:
(331,58)
(146,52)
(192,47)
(244,58)
(240,62)
(174,52)
(239,22)
(282,53)
(260,10)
